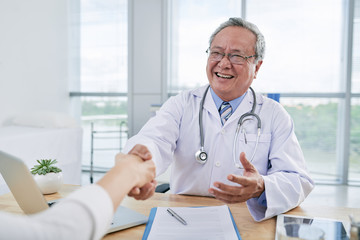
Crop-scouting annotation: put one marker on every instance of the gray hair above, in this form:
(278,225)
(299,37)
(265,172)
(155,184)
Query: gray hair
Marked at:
(239,22)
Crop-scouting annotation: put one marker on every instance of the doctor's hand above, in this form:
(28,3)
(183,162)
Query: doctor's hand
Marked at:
(251,185)
(146,191)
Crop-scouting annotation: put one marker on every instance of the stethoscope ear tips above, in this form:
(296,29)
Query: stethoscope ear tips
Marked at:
(201,157)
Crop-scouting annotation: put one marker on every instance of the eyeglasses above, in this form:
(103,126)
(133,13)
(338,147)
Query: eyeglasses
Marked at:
(233,58)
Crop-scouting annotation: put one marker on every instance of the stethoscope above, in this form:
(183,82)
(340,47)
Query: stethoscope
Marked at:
(201,156)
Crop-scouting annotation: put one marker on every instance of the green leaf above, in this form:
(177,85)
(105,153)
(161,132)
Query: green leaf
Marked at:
(45,166)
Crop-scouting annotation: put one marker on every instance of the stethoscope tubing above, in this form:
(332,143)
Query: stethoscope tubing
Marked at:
(200,119)
(240,123)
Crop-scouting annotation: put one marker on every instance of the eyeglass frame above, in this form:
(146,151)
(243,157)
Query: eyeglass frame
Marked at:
(229,55)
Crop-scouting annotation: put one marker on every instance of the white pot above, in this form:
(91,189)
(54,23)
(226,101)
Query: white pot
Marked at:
(50,182)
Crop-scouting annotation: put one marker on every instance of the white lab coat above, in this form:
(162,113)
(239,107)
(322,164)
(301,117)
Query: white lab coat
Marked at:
(172,136)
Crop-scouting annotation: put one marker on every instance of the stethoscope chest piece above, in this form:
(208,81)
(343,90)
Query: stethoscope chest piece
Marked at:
(201,156)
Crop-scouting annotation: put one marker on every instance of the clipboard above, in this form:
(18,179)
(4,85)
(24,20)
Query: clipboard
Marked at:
(154,211)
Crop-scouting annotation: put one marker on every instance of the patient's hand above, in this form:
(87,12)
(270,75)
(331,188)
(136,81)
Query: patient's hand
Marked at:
(146,191)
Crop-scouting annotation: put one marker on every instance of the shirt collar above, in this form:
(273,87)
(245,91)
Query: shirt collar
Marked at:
(234,103)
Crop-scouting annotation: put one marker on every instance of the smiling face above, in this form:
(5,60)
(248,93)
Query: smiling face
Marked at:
(230,81)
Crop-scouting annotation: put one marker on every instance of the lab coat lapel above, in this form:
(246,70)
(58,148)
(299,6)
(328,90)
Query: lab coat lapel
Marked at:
(244,107)
(209,105)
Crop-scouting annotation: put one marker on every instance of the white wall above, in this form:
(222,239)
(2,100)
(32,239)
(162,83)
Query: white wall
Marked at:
(146,56)
(33,56)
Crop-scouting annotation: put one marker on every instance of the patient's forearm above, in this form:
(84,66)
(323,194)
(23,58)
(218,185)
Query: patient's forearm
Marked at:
(118,182)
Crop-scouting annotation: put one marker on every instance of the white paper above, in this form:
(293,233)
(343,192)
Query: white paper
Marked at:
(202,223)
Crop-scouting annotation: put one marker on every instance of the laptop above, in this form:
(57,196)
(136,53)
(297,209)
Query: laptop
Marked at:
(27,194)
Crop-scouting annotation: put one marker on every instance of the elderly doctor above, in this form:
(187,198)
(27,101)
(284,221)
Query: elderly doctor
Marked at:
(226,141)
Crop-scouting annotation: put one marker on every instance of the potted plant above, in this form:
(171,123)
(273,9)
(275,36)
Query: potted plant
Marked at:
(48,177)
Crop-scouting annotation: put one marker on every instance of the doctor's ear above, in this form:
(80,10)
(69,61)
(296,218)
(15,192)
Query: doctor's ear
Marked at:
(257,67)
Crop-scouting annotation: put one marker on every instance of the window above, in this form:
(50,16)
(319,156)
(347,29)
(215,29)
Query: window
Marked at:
(192,24)
(103,77)
(316,124)
(303,55)
(303,37)
(354,163)
(103,46)
(356,50)
(104,123)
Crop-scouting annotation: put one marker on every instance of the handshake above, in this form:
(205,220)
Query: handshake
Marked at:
(133,174)
(145,171)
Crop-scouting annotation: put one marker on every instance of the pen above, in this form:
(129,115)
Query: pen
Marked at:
(175,215)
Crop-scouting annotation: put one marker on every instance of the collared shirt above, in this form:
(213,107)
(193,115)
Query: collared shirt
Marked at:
(233,103)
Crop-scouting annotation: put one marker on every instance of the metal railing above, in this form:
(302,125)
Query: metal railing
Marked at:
(106,134)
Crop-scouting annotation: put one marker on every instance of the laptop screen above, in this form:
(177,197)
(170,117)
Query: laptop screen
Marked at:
(21,184)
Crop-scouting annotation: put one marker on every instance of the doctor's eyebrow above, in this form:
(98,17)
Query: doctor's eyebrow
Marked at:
(218,48)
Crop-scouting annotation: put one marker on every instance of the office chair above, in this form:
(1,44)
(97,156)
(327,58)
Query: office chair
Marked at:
(162,188)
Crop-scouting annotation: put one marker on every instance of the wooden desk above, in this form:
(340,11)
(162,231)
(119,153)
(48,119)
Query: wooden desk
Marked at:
(248,228)
(9,204)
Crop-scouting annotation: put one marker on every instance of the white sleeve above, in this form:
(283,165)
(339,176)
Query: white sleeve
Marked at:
(287,182)
(85,214)
(160,133)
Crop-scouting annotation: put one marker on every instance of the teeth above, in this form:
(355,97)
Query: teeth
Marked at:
(224,76)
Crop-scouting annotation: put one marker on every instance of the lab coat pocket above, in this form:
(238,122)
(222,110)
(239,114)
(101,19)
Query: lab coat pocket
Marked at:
(255,149)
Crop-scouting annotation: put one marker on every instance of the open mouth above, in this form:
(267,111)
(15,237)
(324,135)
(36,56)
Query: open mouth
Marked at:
(223,75)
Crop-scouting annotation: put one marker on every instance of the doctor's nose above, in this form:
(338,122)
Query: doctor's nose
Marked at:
(224,62)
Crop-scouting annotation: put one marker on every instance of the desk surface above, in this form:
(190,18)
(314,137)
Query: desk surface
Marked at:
(248,228)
